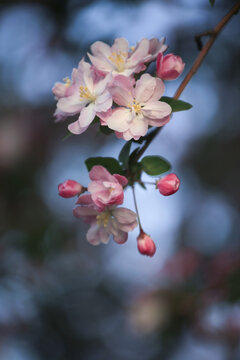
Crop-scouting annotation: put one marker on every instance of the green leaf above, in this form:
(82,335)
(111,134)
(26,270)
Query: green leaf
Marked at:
(109,163)
(124,153)
(105,130)
(155,165)
(176,105)
(212,2)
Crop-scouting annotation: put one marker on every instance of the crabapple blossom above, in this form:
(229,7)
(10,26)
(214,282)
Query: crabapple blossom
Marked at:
(70,188)
(168,185)
(139,106)
(169,67)
(112,221)
(145,244)
(106,189)
(119,59)
(89,95)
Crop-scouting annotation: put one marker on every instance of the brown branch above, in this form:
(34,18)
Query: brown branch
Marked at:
(213,35)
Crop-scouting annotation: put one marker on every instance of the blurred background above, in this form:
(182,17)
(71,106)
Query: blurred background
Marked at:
(63,299)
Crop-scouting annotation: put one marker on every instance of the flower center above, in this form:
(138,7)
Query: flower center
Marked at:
(135,106)
(103,218)
(118,59)
(85,94)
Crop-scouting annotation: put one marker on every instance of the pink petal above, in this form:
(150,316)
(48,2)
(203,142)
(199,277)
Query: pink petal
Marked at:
(101,64)
(99,172)
(103,102)
(93,235)
(70,104)
(120,119)
(85,200)
(124,215)
(75,128)
(121,90)
(121,179)
(128,227)
(156,109)
(140,53)
(145,87)
(101,85)
(159,122)
(158,91)
(80,211)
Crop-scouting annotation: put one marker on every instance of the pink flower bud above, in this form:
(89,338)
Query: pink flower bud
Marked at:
(168,185)
(145,244)
(169,67)
(70,188)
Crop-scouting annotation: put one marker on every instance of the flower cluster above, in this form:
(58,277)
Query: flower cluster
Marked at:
(108,90)
(115,90)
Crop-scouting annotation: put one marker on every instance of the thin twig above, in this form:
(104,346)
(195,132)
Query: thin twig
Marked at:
(213,35)
(136,208)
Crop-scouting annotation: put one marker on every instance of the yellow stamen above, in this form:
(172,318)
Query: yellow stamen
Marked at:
(67,81)
(103,219)
(118,59)
(132,48)
(85,94)
(135,106)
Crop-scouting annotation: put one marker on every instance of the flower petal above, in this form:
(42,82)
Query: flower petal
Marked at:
(93,235)
(103,102)
(70,104)
(101,63)
(145,88)
(99,172)
(156,109)
(140,53)
(100,48)
(124,215)
(119,119)
(87,115)
(159,122)
(121,179)
(85,200)
(139,126)
(121,90)
(120,44)
(80,211)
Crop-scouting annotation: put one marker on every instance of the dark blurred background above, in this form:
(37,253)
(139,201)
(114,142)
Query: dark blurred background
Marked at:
(63,299)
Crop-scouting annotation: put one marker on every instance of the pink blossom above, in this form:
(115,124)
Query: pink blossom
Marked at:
(70,188)
(169,67)
(112,221)
(168,185)
(106,189)
(89,95)
(139,106)
(67,88)
(145,244)
(119,59)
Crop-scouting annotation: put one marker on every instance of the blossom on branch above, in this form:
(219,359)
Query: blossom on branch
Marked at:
(118,59)
(89,95)
(139,106)
(112,221)
(106,189)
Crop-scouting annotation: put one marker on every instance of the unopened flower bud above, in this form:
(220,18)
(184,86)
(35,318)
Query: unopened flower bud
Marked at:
(168,185)
(70,188)
(145,244)
(169,67)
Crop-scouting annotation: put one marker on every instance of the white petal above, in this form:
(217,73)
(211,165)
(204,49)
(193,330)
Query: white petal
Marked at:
(156,109)
(87,115)
(100,48)
(70,104)
(103,102)
(120,119)
(120,44)
(158,91)
(138,126)
(101,64)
